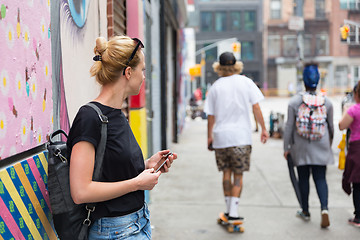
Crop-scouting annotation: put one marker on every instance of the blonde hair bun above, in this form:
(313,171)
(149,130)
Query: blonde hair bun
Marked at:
(101,45)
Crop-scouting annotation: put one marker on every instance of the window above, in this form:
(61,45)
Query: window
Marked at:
(356,75)
(350,4)
(206,21)
(235,21)
(274,48)
(249,21)
(220,21)
(211,54)
(308,45)
(290,45)
(322,44)
(275,9)
(295,9)
(247,51)
(341,76)
(320,9)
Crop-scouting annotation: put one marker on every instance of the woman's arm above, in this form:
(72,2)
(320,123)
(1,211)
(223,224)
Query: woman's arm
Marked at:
(289,129)
(84,190)
(330,121)
(346,121)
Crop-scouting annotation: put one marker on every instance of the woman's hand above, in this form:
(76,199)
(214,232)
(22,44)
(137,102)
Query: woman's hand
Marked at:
(151,162)
(286,153)
(147,179)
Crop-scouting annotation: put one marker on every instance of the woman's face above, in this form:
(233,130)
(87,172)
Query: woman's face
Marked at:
(137,76)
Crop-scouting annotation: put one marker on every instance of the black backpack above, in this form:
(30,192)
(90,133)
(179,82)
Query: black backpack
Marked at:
(71,221)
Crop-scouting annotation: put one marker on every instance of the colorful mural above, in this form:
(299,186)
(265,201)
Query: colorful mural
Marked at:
(24,201)
(37,66)
(79,24)
(26,112)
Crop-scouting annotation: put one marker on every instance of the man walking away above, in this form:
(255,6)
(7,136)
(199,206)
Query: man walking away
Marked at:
(229,126)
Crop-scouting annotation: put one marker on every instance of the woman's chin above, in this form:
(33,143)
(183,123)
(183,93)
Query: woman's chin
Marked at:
(135,93)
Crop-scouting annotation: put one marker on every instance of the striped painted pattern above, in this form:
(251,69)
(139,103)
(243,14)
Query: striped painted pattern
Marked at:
(24,201)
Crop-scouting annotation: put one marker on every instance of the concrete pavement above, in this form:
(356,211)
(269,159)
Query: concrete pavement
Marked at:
(186,202)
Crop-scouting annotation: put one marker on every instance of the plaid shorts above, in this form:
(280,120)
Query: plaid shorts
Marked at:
(235,158)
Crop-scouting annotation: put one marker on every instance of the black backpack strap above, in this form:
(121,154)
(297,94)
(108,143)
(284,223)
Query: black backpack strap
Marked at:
(99,157)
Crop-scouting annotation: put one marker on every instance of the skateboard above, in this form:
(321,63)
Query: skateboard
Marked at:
(230,227)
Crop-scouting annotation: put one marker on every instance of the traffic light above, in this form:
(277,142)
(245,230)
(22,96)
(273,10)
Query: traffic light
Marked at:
(344,30)
(236,47)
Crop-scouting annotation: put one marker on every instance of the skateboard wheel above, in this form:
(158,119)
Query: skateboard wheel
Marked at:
(242,229)
(219,221)
(230,229)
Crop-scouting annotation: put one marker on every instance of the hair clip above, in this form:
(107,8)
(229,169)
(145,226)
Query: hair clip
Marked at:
(97,58)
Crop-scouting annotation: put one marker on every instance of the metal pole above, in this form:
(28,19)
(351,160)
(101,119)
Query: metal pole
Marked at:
(300,47)
(203,70)
(215,44)
(163,75)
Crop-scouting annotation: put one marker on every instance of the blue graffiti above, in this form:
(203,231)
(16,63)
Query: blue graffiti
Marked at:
(78,11)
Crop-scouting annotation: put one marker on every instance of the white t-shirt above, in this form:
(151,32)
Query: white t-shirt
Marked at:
(230,100)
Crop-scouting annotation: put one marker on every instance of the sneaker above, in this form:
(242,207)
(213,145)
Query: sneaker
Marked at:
(227,216)
(354,221)
(303,215)
(235,219)
(325,218)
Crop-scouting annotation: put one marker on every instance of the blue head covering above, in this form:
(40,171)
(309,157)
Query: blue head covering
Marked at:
(311,76)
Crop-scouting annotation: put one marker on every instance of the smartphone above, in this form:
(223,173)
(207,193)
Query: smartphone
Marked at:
(210,147)
(161,162)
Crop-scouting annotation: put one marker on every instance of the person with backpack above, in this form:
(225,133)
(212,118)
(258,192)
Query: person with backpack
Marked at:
(351,175)
(228,106)
(308,137)
(121,211)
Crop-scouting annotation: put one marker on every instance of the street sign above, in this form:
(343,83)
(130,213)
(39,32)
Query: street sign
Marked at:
(195,71)
(296,23)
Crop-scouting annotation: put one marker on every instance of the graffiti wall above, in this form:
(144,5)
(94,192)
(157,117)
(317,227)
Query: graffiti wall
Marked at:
(25,75)
(81,22)
(44,78)
(24,202)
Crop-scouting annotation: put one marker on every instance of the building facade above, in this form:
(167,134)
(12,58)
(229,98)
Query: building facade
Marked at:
(289,43)
(221,20)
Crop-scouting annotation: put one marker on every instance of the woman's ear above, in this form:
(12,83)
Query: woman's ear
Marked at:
(128,72)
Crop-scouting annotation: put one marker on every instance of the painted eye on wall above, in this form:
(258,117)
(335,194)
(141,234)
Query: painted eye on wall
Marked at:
(78,10)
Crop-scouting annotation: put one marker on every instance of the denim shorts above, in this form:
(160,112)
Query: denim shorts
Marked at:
(132,226)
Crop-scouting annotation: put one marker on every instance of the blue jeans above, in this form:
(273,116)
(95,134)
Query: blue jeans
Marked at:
(319,176)
(132,226)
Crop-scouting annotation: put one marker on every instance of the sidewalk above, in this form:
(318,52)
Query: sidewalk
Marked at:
(187,201)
